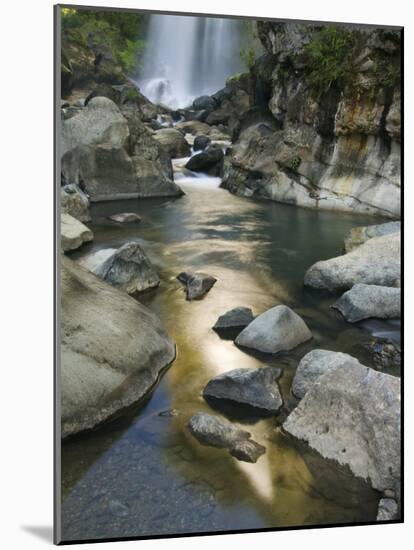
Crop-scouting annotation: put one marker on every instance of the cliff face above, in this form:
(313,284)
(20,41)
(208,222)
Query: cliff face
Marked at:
(331,136)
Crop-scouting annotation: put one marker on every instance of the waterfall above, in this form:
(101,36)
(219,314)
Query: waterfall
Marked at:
(189,56)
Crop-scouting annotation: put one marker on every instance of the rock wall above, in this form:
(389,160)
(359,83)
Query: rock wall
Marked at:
(337,148)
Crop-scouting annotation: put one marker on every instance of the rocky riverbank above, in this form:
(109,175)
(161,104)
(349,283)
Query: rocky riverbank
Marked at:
(268,134)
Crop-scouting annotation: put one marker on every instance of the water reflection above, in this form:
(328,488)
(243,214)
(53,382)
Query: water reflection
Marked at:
(147,474)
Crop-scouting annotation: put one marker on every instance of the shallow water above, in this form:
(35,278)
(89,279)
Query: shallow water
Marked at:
(144,474)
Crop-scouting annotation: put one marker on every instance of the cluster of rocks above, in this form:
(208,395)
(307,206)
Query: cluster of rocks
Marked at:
(371,270)
(252,390)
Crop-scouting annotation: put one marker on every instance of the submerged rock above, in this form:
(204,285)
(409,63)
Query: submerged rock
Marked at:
(314,364)
(208,161)
(366,301)
(173,142)
(235,320)
(387,509)
(359,235)
(125,217)
(74,202)
(197,284)
(384,353)
(352,415)
(376,262)
(277,329)
(256,388)
(217,432)
(128,268)
(113,349)
(73,233)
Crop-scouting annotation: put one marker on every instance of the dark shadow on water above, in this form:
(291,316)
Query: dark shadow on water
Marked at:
(43,532)
(228,333)
(238,412)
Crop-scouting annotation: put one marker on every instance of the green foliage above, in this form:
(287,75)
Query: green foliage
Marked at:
(330,58)
(295,163)
(121,32)
(248,56)
(388,72)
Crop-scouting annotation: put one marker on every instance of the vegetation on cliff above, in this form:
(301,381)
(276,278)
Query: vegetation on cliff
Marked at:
(122,33)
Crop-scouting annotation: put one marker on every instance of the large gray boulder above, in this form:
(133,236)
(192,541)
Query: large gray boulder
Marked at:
(73,233)
(217,432)
(113,156)
(109,173)
(173,142)
(256,387)
(197,284)
(365,301)
(313,365)
(352,416)
(376,262)
(128,268)
(359,235)
(74,202)
(99,123)
(277,329)
(113,350)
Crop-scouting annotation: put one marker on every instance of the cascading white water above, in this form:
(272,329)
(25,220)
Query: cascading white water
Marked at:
(189,56)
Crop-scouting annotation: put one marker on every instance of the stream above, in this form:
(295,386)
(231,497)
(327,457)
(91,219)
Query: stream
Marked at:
(144,474)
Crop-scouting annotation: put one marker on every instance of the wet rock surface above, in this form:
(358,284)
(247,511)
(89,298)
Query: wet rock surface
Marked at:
(277,329)
(125,217)
(208,161)
(233,321)
(256,389)
(129,269)
(384,353)
(365,301)
(214,431)
(197,284)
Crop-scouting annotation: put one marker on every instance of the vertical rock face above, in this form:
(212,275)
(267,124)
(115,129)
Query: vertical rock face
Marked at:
(334,142)
(113,349)
(351,414)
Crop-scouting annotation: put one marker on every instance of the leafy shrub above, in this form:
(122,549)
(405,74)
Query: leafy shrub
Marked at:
(295,163)
(121,32)
(330,58)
